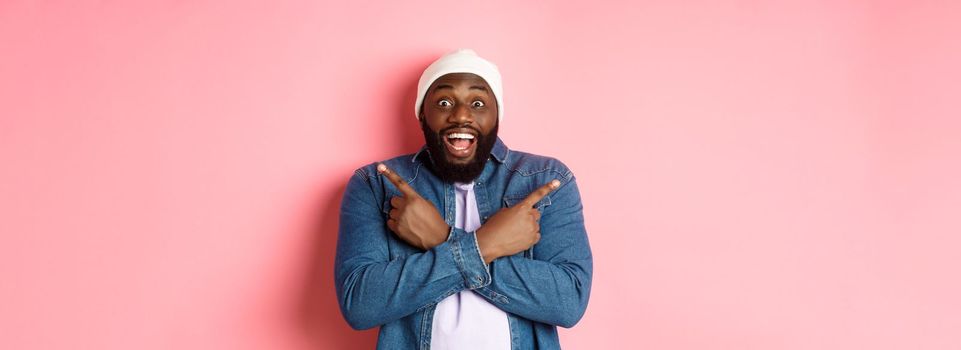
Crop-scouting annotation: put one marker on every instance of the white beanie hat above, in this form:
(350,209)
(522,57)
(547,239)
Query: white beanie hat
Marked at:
(461,61)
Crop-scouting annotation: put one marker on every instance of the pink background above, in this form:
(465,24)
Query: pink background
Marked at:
(755,175)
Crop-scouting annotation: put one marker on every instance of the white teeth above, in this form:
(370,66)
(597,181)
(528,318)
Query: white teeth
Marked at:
(458,135)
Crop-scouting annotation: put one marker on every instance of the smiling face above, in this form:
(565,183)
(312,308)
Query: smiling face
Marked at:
(459,120)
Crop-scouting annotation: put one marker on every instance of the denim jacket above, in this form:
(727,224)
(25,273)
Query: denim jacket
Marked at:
(383,281)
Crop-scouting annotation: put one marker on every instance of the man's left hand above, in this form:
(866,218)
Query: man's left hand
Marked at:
(413,218)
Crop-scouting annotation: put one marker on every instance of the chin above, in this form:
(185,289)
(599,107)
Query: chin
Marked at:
(459,161)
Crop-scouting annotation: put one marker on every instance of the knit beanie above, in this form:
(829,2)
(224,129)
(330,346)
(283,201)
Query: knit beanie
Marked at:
(461,61)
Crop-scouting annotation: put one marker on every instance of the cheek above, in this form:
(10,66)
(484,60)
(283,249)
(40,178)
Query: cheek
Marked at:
(435,123)
(487,120)
(434,119)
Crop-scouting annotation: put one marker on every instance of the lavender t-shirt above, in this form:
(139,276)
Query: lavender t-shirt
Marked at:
(466,320)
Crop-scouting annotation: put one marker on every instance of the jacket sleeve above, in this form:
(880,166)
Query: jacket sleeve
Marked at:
(371,288)
(554,287)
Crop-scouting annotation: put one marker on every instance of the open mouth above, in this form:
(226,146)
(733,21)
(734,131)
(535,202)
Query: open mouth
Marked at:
(460,143)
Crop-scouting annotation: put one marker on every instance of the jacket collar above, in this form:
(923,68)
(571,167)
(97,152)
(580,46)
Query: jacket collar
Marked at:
(499,152)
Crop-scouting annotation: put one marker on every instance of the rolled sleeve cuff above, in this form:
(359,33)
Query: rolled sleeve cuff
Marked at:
(468,258)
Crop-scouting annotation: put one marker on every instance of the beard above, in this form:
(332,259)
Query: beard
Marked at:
(451,172)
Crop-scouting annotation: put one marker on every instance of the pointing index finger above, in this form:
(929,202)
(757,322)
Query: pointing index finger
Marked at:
(539,193)
(398,182)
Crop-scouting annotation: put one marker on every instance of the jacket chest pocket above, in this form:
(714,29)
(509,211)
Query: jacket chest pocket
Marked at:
(511,200)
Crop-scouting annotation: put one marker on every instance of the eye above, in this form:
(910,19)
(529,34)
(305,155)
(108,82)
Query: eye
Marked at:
(478,104)
(444,103)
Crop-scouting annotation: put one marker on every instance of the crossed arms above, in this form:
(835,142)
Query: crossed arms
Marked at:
(373,289)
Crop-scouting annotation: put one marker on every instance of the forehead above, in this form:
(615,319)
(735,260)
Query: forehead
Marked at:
(455,80)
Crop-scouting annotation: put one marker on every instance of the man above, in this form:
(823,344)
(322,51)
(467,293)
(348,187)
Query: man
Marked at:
(465,244)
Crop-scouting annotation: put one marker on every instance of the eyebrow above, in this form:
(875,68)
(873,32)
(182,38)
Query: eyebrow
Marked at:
(448,86)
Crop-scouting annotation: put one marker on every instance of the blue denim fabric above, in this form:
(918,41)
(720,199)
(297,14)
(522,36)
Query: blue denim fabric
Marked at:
(383,281)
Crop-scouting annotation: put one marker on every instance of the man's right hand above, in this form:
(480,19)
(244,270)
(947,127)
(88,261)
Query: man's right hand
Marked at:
(515,229)
(413,218)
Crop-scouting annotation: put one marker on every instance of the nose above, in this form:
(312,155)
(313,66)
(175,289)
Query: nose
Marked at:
(461,115)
